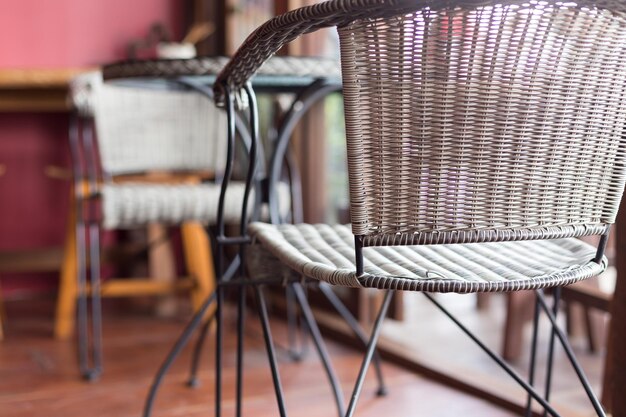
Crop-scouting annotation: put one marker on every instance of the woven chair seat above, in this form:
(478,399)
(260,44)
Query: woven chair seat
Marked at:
(326,253)
(132,205)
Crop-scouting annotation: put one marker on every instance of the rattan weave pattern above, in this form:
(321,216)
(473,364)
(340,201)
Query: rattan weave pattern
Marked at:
(266,40)
(326,253)
(143,129)
(170,68)
(140,129)
(134,204)
(472,120)
(164,68)
(130,205)
(476,131)
(490,123)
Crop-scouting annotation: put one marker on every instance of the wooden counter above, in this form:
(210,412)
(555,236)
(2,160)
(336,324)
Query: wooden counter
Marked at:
(36,90)
(33,91)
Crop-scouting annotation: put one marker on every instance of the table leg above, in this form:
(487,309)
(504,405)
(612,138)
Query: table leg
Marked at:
(519,311)
(162,266)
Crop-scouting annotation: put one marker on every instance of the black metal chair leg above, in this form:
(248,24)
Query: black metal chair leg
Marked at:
(512,373)
(193,381)
(95,369)
(241,310)
(371,346)
(320,346)
(549,364)
(89,336)
(295,352)
(181,342)
(83,325)
(570,354)
(357,330)
(269,346)
(533,358)
(218,351)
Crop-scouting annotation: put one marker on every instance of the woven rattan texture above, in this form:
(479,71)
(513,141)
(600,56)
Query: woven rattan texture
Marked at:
(143,129)
(271,36)
(164,68)
(136,204)
(169,68)
(491,123)
(154,130)
(327,253)
(472,120)
(130,205)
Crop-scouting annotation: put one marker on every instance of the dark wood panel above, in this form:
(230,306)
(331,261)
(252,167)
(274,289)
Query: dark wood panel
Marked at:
(212,11)
(615,369)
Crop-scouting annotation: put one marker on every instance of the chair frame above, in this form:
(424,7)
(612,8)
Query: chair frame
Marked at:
(227,279)
(185,73)
(266,41)
(233,274)
(84,224)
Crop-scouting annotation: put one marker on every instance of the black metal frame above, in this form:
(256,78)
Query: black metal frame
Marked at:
(297,287)
(556,332)
(371,346)
(224,278)
(83,154)
(527,386)
(308,97)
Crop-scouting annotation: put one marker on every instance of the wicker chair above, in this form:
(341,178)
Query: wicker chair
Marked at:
(483,138)
(310,79)
(152,163)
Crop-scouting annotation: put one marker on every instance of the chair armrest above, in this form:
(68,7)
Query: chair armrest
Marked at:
(268,38)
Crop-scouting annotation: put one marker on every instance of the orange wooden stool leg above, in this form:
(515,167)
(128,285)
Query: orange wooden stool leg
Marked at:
(199,261)
(68,289)
(162,266)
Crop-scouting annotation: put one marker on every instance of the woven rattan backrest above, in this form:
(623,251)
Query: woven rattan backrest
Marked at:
(142,129)
(485,122)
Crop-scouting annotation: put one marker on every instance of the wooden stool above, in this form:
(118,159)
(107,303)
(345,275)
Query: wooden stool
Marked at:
(198,261)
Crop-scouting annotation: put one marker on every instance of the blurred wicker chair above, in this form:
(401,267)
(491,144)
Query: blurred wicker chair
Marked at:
(483,138)
(150,162)
(313,79)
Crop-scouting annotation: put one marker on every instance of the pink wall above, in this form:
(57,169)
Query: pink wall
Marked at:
(56,34)
(33,207)
(70,33)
